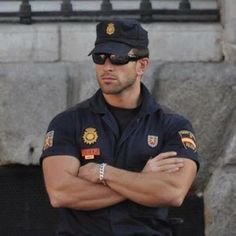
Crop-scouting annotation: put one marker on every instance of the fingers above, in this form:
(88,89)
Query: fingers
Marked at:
(165,162)
(169,161)
(165,155)
(173,170)
(168,167)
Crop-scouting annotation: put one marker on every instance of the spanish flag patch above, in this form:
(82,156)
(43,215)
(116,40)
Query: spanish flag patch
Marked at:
(188,139)
(48,140)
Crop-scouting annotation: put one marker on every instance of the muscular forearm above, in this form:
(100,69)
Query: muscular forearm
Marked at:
(66,189)
(84,195)
(143,188)
(162,182)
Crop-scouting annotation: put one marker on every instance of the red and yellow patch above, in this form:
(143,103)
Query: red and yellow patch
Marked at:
(90,153)
(188,139)
(48,140)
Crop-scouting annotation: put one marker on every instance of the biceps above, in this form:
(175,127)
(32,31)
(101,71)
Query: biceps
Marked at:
(185,177)
(181,181)
(57,169)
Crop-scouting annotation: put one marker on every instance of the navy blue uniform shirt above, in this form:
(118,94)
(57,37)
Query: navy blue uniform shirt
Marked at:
(90,133)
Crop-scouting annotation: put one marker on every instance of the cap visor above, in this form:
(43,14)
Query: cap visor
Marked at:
(111,48)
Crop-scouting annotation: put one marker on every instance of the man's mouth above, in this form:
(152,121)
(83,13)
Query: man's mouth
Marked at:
(109,78)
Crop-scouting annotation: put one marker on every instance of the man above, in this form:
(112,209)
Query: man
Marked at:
(115,162)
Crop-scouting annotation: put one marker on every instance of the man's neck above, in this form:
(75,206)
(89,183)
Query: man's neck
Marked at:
(124,100)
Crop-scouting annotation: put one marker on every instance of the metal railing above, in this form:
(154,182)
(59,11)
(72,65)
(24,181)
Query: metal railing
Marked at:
(145,13)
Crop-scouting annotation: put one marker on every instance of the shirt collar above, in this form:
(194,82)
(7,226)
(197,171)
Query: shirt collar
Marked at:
(149,105)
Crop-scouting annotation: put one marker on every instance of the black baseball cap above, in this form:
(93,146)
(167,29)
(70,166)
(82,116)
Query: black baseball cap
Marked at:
(119,37)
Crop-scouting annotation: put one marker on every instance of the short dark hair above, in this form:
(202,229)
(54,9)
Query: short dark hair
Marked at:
(141,52)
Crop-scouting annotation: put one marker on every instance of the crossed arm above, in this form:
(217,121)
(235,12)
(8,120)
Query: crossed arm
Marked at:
(66,189)
(165,180)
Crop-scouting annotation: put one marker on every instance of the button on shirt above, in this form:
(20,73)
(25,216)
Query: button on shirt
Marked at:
(90,133)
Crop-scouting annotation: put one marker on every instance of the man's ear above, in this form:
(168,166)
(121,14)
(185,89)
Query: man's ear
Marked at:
(142,65)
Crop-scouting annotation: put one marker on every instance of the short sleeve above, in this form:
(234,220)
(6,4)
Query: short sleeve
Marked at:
(60,138)
(180,137)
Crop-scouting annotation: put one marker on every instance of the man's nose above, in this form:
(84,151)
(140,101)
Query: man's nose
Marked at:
(108,65)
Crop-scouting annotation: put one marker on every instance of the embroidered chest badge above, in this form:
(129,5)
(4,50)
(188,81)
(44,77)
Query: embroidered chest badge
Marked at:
(90,136)
(152,140)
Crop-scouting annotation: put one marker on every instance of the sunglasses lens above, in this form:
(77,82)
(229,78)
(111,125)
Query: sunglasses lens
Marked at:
(114,59)
(99,58)
(119,60)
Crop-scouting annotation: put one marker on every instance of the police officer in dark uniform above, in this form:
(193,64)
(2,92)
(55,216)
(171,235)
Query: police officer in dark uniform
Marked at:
(114,163)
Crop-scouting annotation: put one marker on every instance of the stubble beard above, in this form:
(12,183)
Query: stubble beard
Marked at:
(116,87)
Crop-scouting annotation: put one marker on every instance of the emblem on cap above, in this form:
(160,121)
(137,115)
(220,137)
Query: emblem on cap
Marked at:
(90,136)
(152,140)
(110,29)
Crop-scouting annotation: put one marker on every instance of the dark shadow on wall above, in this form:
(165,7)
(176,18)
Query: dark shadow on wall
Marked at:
(24,206)
(25,209)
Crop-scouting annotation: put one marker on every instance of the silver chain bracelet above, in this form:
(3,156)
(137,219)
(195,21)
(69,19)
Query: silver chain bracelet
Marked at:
(102,172)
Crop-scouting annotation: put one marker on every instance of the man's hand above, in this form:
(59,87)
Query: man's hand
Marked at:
(165,162)
(90,172)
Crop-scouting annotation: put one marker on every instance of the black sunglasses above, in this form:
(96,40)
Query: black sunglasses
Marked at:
(114,59)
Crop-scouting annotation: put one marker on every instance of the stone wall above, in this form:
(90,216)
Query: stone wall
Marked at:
(44,69)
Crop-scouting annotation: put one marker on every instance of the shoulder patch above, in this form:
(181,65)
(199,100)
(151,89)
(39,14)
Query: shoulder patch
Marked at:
(48,140)
(188,139)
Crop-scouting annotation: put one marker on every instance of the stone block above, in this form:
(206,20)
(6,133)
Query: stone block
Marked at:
(82,83)
(220,193)
(30,96)
(228,10)
(77,40)
(229,51)
(230,33)
(205,94)
(21,43)
(219,201)
(185,42)
(229,20)
(229,154)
